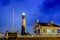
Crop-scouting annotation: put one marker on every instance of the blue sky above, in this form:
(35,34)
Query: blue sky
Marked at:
(44,10)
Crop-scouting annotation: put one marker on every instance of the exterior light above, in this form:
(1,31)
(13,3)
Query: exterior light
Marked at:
(23,13)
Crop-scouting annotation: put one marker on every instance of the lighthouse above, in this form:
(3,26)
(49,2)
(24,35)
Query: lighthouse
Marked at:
(23,31)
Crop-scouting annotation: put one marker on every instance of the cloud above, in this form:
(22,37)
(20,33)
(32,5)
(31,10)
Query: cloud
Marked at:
(4,2)
(50,6)
(50,10)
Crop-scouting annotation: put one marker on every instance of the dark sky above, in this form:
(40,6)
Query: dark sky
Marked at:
(44,10)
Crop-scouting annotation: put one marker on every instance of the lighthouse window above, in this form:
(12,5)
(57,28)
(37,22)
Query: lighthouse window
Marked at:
(23,17)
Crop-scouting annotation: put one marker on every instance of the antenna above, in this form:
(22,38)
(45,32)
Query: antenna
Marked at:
(13,21)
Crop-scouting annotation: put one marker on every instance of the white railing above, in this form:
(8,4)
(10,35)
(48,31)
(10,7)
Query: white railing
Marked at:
(42,35)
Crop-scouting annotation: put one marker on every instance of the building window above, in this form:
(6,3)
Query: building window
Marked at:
(49,31)
(44,30)
(58,30)
(35,31)
(53,31)
(38,31)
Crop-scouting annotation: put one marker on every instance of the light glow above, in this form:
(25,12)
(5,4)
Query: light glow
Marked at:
(23,13)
